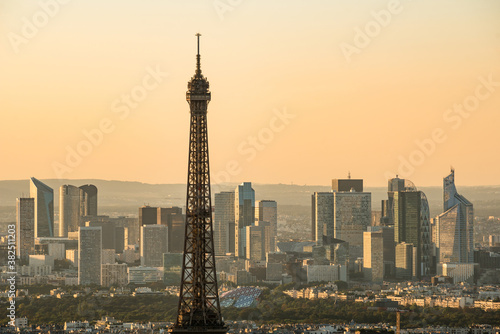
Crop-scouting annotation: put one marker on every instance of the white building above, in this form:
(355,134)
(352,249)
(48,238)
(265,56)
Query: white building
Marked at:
(141,275)
(326,273)
(460,272)
(154,239)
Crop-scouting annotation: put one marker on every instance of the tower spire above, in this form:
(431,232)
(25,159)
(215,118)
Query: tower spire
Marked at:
(198,62)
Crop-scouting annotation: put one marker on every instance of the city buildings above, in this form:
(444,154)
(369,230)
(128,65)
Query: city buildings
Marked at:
(89,255)
(114,274)
(154,243)
(88,200)
(322,216)
(223,226)
(44,208)
(25,233)
(69,209)
(244,215)
(173,218)
(373,255)
(405,261)
(407,209)
(256,242)
(455,226)
(352,216)
(267,211)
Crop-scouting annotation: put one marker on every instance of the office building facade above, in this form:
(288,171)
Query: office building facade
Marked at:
(244,215)
(44,208)
(89,255)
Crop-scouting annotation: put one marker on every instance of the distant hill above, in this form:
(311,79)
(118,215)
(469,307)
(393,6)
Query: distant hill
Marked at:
(131,195)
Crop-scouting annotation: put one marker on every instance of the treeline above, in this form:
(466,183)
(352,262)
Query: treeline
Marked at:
(273,307)
(51,310)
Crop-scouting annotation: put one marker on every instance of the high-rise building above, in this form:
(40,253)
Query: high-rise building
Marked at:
(120,239)
(373,255)
(389,247)
(44,208)
(174,220)
(352,216)
(69,209)
(267,211)
(224,223)
(455,226)
(244,215)
(154,239)
(176,231)
(25,228)
(322,216)
(108,231)
(405,261)
(408,209)
(89,255)
(259,241)
(88,200)
(148,215)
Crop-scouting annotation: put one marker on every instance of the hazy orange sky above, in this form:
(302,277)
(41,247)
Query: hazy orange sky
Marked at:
(358,86)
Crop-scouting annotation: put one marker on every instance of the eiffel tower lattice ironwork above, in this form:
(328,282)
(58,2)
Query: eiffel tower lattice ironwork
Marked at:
(199,307)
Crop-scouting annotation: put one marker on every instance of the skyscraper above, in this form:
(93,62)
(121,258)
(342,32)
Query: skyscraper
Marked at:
(25,232)
(154,239)
(244,215)
(148,215)
(267,211)
(322,216)
(352,216)
(455,226)
(408,209)
(255,242)
(69,209)
(88,200)
(373,255)
(44,208)
(174,220)
(89,255)
(224,223)
(199,306)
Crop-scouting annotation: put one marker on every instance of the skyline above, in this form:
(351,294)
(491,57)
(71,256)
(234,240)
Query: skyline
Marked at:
(70,77)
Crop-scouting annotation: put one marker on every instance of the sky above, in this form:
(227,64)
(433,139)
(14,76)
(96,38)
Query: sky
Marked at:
(302,91)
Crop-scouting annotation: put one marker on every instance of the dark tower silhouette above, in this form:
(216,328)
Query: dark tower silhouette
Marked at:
(199,307)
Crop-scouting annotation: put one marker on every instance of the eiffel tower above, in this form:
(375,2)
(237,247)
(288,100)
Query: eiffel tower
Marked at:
(199,307)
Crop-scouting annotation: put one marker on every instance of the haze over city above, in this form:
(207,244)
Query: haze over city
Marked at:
(301,91)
